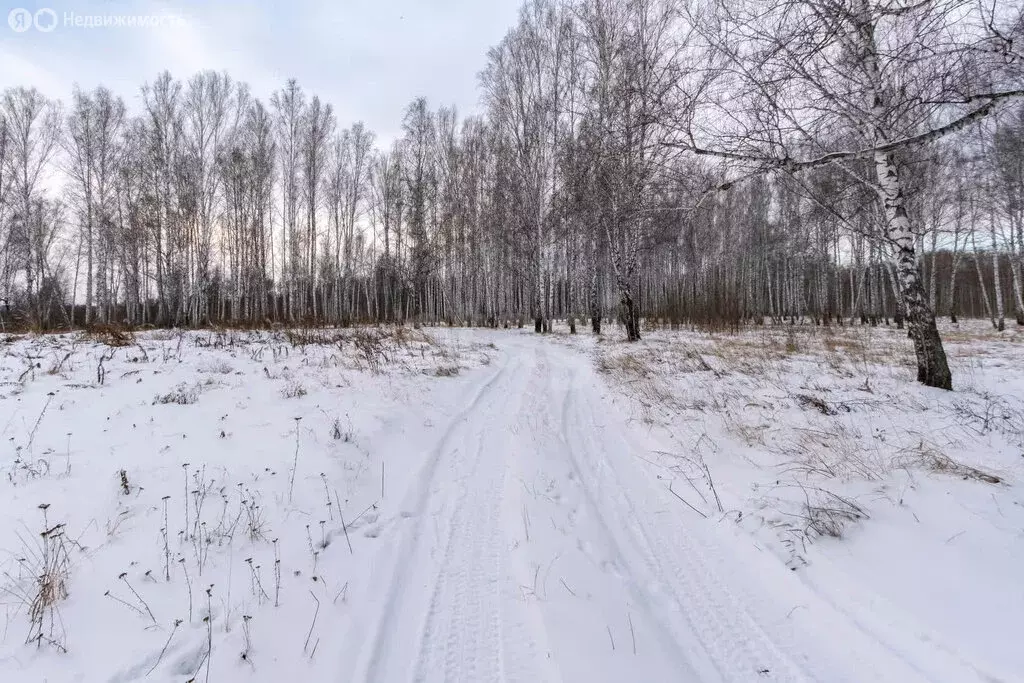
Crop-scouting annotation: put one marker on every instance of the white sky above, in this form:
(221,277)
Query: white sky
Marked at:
(368,58)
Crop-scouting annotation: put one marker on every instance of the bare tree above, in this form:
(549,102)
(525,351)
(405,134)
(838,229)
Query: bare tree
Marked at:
(718,163)
(1007,163)
(164,146)
(523,86)
(94,150)
(387,211)
(347,186)
(6,273)
(801,85)
(633,54)
(289,106)
(33,124)
(317,127)
(419,179)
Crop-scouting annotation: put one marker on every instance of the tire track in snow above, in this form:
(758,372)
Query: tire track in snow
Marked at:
(462,633)
(446,608)
(697,568)
(450,618)
(623,591)
(668,560)
(373,653)
(473,631)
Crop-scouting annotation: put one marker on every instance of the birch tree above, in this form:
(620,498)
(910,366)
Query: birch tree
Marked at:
(523,86)
(719,163)
(388,211)
(418,173)
(632,53)
(164,148)
(317,127)
(347,187)
(33,127)
(1007,164)
(803,84)
(6,268)
(94,150)
(289,107)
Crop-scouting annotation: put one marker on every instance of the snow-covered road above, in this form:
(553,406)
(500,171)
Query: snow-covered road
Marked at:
(394,505)
(534,545)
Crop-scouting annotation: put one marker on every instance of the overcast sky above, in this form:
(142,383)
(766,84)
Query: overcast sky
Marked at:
(368,58)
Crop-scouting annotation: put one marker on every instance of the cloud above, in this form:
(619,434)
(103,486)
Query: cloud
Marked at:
(367,58)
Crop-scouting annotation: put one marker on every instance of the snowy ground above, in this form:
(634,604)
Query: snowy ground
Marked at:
(466,505)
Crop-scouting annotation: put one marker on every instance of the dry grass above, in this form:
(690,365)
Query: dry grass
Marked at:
(827,513)
(755,351)
(750,433)
(183,394)
(216,368)
(985,413)
(819,418)
(372,347)
(836,452)
(928,457)
(293,389)
(848,382)
(800,514)
(983,332)
(40,583)
(627,366)
(51,587)
(110,335)
(642,373)
(845,344)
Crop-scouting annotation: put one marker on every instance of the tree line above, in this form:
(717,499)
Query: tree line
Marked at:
(713,161)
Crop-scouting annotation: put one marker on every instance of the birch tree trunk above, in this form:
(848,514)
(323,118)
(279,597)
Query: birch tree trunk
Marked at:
(933,280)
(595,293)
(997,280)
(932,366)
(981,281)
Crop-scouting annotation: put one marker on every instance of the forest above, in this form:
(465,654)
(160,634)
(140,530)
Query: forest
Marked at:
(693,351)
(716,163)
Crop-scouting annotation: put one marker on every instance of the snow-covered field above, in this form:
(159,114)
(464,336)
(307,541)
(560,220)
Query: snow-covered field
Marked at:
(465,505)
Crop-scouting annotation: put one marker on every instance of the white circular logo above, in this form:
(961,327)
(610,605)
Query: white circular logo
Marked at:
(46,19)
(19,19)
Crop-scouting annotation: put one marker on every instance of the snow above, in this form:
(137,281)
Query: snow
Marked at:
(392,504)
